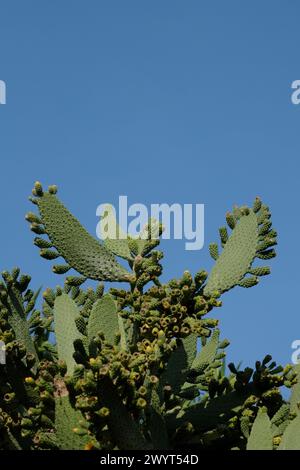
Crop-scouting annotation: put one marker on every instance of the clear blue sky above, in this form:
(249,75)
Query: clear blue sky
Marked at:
(164,101)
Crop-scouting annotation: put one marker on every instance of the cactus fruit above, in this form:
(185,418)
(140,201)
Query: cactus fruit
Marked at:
(120,369)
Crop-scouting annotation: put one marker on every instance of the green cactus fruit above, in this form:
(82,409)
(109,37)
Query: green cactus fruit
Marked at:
(249,282)
(223,235)
(65,314)
(260,271)
(257,204)
(231,220)
(214,251)
(268,254)
(261,437)
(75,281)
(61,268)
(80,250)
(80,324)
(42,243)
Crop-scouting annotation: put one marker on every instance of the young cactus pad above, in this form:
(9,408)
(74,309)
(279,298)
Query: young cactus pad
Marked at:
(251,238)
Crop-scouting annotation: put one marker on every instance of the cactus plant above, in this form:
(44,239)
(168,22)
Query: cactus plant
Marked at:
(140,366)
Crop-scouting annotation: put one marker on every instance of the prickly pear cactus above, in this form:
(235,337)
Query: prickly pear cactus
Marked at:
(141,366)
(251,237)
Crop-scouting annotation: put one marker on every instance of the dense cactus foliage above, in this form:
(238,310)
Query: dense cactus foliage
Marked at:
(139,367)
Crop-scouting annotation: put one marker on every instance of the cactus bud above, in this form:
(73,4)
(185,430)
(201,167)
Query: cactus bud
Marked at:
(75,280)
(49,254)
(223,235)
(214,250)
(257,204)
(38,229)
(33,218)
(42,243)
(61,268)
(52,189)
(38,189)
(268,254)
(248,282)
(230,219)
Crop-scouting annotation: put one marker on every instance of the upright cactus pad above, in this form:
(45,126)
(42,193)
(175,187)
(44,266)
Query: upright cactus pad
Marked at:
(104,319)
(251,238)
(67,421)
(65,313)
(295,397)
(180,362)
(291,437)
(18,306)
(261,434)
(115,240)
(207,354)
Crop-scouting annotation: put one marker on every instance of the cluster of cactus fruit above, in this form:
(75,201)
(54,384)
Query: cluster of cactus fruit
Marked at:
(141,367)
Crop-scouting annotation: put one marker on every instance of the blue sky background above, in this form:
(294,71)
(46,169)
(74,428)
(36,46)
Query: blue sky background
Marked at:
(164,101)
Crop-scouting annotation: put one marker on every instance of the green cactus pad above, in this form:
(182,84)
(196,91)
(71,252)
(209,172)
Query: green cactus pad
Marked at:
(180,361)
(104,319)
(236,257)
(121,423)
(207,416)
(17,317)
(240,250)
(206,355)
(80,250)
(119,244)
(65,314)
(261,435)
(295,397)
(67,419)
(280,420)
(291,437)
